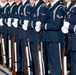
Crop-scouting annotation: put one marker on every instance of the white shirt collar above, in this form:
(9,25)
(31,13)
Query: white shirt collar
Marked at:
(3,4)
(11,3)
(0,2)
(52,4)
(24,2)
(18,2)
(37,2)
(68,4)
(47,3)
(75,5)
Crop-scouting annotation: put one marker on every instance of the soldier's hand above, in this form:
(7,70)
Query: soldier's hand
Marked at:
(26,22)
(9,22)
(1,22)
(64,30)
(66,24)
(24,27)
(38,26)
(15,23)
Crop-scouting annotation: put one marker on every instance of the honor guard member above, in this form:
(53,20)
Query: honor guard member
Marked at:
(13,29)
(69,27)
(5,9)
(38,13)
(69,5)
(24,20)
(48,3)
(15,33)
(53,36)
(45,51)
(10,32)
(11,16)
(21,33)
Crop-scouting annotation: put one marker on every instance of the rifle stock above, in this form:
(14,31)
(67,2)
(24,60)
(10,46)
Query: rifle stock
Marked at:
(41,68)
(3,51)
(64,59)
(39,48)
(9,51)
(27,57)
(2,48)
(42,60)
(14,54)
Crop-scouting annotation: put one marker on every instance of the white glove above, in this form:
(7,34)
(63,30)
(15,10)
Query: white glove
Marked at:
(1,22)
(9,19)
(25,27)
(9,22)
(66,24)
(15,23)
(38,26)
(15,20)
(64,30)
(26,22)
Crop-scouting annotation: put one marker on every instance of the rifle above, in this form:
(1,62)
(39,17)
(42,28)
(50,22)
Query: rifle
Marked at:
(28,57)
(9,50)
(2,49)
(64,59)
(14,54)
(41,67)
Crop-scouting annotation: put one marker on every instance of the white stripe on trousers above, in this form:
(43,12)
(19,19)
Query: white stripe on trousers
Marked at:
(60,55)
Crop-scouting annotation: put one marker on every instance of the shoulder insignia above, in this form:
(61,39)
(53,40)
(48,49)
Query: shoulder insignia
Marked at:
(59,16)
(43,14)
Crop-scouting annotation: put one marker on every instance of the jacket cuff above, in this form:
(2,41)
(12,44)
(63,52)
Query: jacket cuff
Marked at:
(31,24)
(71,28)
(43,26)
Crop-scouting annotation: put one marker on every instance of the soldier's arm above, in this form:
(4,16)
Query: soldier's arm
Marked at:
(26,14)
(72,22)
(57,24)
(41,16)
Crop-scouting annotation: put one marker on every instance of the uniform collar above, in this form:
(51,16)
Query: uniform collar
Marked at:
(36,2)
(53,3)
(24,2)
(75,5)
(11,3)
(18,3)
(68,4)
(47,3)
(3,4)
